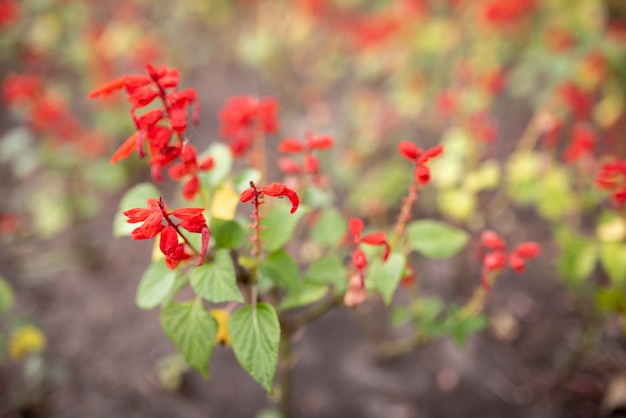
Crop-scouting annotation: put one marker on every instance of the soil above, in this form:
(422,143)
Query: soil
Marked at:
(102,350)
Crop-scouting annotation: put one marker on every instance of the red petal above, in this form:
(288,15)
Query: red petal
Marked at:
(125,150)
(527,250)
(320,142)
(358,259)
(422,174)
(311,164)
(137,214)
(492,240)
(409,150)
(108,88)
(431,153)
(293,198)
(169,241)
(191,187)
(355,225)
(290,145)
(247,194)
(288,166)
(375,238)
(495,261)
(274,189)
(188,213)
(206,164)
(516,263)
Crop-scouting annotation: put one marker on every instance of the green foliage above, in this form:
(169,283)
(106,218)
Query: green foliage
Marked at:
(279,225)
(330,228)
(613,260)
(385,276)
(216,281)
(155,285)
(435,239)
(577,258)
(280,269)
(227,234)
(6,295)
(255,336)
(327,270)
(193,331)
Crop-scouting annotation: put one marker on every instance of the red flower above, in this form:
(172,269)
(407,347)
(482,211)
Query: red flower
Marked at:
(498,257)
(612,177)
(274,189)
(243,117)
(416,155)
(189,166)
(355,226)
(583,141)
(576,100)
(156,219)
(310,163)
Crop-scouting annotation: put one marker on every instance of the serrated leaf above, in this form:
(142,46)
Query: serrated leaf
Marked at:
(435,239)
(279,226)
(330,228)
(385,276)
(305,294)
(155,285)
(281,270)
(613,260)
(255,334)
(217,281)
(135,197)
(193,331)
(329,269)
(227,233)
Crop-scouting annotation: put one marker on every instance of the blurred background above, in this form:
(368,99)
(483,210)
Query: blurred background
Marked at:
(526,95)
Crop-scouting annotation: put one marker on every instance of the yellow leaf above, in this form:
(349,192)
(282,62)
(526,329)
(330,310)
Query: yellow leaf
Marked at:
(222,316)
(225,202)
(25,340)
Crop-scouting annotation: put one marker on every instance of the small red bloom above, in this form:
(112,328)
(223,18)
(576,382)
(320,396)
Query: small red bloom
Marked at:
(416,155)
(583,141)
(156,219)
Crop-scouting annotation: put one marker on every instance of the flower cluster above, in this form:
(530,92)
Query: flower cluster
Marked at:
(310,163)
(156,219)
(583,141)
(49,115)
(612,177)
(157,127)
(244,117)
(355,294)
(497,257)
(416,155)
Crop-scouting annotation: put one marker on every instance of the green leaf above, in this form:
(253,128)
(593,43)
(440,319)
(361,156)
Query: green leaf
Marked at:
(135,197)
(460,331)
(400,315)
(255,335)
(435,239)
(330,228)
(193,332)
(305,294)
(217,281)
(279,225)
(329,269)
(577,258)
(227,234)
(385,276)
(459,204)
(281,270)
(613,260)
(6,295)
(155,285)
(612,300)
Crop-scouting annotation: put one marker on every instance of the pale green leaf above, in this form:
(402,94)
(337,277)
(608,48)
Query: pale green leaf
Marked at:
(6,295)
(330,228)
(305,294)
(279,225)
(385,276)
(217,281)
(280,269)
(193,331)
(613,260)
(435,239)
(255,335)
(155,285)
